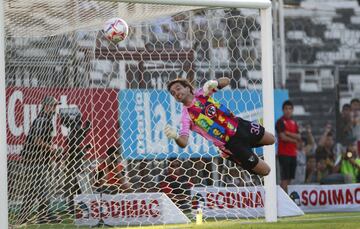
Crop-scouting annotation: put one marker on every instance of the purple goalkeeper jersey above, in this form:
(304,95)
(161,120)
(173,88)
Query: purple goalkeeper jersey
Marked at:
(209,118)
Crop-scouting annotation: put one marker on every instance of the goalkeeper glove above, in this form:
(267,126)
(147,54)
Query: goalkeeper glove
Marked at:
(210,86)
(170,132)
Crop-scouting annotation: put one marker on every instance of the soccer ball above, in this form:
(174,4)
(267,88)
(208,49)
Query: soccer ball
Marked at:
(116,30)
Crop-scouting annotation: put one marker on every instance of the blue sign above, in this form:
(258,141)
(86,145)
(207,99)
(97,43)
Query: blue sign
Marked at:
(144,114)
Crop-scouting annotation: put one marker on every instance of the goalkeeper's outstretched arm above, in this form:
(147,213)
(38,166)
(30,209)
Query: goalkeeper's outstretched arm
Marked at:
(182,141)
(223,82)
(212,86)
(171,133)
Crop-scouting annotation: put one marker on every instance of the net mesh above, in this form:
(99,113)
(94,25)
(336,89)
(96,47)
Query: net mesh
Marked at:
(47,18)
(105,136)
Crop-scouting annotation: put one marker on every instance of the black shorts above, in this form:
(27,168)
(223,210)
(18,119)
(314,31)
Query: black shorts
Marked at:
(287,167)
(248,135)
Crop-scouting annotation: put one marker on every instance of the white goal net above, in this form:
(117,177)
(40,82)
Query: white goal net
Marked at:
(85,117)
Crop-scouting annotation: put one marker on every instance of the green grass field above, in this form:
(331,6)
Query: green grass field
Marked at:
(321,221)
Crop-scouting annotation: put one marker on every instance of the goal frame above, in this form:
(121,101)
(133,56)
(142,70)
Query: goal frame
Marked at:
(3,145)
(267,93)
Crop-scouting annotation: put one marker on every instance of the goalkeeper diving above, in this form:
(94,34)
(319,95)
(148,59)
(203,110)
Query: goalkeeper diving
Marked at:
(234,136)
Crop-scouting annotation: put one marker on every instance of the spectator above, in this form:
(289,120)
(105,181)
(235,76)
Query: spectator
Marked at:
(317,172)
(109,175)
(288,136)
(305,147)
(325,149)
(325,157)
(349,164)
(177,185)
(344,129)
(36,158)
(323,171)
(355,116)
(311,169)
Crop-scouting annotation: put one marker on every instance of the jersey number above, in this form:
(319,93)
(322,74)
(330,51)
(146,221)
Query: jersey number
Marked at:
(255,128)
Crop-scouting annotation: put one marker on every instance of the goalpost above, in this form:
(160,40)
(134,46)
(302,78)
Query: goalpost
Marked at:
(117,91)
(3,156)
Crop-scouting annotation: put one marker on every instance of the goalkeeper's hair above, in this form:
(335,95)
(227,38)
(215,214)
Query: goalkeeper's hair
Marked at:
(183,82)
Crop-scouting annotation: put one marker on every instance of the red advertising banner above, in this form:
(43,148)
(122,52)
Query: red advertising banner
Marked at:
(98,106)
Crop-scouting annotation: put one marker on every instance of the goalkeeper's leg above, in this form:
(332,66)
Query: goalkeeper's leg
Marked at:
(267,139)
(239,147)
(252,134)
(261,168)
(247,159)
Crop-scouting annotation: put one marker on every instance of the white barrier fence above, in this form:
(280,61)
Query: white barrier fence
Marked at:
(326,198)
(239,202)
(127,209)
(157,208)
(154,208)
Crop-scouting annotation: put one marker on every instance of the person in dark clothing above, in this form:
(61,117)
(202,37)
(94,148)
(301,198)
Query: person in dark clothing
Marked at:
(72,119)
(36,158)
(344,126)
